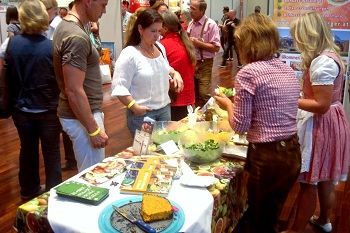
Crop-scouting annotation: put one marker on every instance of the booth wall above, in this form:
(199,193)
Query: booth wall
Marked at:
(111,26)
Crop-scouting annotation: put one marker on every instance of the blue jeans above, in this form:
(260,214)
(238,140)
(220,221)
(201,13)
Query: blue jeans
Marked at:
(85,154)
(31,128)
(135,122)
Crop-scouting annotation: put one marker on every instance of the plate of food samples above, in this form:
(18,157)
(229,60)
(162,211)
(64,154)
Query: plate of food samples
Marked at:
(157,212)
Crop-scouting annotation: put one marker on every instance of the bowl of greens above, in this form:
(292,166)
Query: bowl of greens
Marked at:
(220,130)
(200,151)
(164,131)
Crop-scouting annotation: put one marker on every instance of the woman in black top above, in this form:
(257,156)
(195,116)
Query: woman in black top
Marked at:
(35,99)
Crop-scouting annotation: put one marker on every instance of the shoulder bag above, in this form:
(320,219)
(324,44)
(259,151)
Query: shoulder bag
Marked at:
(172,92)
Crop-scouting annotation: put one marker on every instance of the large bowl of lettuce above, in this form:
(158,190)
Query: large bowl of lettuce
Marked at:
(200,151)
(220,130)
(164,131)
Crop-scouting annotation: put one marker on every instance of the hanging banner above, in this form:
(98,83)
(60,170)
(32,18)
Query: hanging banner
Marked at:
(135,4)
(336,12)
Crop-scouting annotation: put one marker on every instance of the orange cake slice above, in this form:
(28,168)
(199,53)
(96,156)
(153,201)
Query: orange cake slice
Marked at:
(155,208)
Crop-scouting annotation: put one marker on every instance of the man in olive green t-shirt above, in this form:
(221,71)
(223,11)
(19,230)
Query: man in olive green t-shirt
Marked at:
(76,63)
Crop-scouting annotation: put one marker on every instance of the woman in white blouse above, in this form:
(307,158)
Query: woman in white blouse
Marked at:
(142,72)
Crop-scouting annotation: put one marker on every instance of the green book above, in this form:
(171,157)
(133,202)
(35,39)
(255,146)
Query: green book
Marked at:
(84,193)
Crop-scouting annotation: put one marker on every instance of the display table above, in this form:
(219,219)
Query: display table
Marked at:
(32,215)
(64,215)
(218,210)
(229,192)
(215,211)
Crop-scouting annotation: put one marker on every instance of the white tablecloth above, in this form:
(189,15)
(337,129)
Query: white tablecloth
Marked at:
(69,216)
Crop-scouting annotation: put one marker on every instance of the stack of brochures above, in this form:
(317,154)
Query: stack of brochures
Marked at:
(150,175)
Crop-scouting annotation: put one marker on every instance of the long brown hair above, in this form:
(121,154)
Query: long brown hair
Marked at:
(171,21)
(12,15)
(145,19)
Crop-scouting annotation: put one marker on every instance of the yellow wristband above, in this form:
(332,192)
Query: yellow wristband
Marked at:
(95,133)
(131,103)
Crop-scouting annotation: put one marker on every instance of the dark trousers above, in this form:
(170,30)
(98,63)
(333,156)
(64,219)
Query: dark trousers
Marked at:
(222,41)
(68,150)
(31,128)
(227,51)
(237,53)
(273,169)
(178,112)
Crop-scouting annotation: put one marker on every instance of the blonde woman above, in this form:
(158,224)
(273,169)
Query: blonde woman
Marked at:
(329,155)
(35,100)
(182,57)
(131,22)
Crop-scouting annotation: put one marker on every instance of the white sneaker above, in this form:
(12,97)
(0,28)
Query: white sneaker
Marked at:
(326,227)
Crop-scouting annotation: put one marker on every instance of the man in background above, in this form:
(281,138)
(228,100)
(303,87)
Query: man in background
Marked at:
(230,25)
(125,16)
(205,36)
(77,69)
(63,12)
(257,9)
(225,10)
(126,4)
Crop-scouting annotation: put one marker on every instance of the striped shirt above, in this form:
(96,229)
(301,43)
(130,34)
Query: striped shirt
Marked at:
(266,101)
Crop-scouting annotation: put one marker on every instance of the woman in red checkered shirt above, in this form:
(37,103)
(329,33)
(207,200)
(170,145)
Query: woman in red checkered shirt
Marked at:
(265,106)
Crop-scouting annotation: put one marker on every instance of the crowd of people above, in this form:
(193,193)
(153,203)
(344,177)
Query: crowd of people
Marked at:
(57,89)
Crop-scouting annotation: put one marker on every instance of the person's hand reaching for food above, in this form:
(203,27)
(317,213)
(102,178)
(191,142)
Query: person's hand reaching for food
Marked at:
(224,102)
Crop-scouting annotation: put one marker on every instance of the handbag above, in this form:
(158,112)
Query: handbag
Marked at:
(172,90)
(105,73)
(5,93)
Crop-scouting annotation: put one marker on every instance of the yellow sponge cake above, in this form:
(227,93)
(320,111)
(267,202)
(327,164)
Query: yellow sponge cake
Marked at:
(155,208)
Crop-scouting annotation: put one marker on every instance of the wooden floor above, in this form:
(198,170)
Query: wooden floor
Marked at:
(119,139)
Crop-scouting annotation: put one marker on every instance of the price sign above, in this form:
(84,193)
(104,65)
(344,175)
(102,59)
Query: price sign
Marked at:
(141,142)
